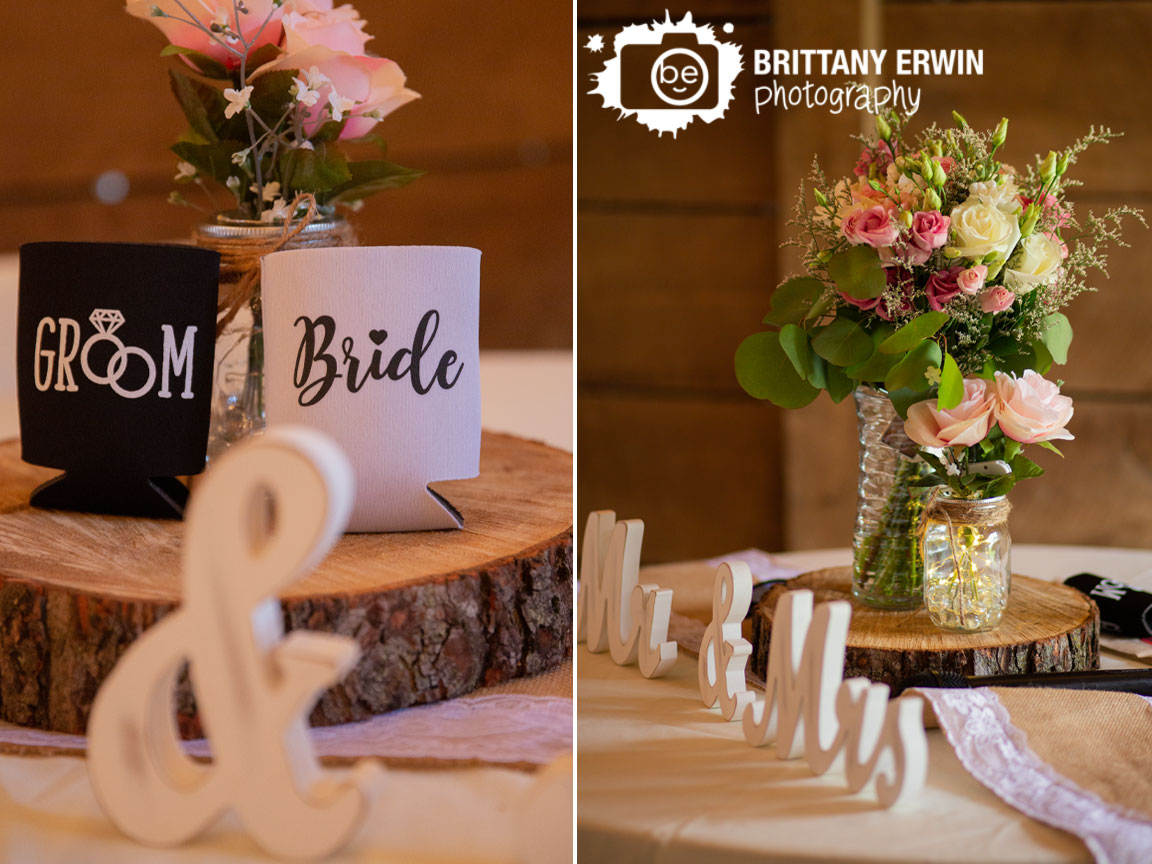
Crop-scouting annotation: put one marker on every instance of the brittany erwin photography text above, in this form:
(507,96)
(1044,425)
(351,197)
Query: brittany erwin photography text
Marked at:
(783,63)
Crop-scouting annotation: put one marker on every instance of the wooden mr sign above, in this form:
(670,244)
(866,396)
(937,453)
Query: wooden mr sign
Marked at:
(115,347)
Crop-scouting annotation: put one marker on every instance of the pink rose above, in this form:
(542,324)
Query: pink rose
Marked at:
(929,231)
(1030,408)
(871,225)
(373,84)
(996,299)
(971,280)
(315,22)
(207,13)
(866,305)
(966,424)
(943,286)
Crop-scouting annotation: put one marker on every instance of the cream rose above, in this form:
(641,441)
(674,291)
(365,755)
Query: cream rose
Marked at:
(1030,408)
(1034,264)
(979,228)
(964,425)
(1004,196)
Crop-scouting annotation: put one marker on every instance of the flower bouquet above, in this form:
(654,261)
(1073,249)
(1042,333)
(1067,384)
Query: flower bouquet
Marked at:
(275,92)
(936,276)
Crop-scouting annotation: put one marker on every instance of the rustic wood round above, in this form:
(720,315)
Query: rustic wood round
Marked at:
(1046,628)
(436,613)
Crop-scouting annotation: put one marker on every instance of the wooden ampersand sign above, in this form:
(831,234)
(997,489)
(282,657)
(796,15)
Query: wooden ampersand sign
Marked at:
(616,613)
(810,710)
(254,687)
(114,352)
(723,651)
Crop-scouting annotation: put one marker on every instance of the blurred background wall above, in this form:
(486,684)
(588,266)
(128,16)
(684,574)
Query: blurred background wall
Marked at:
(87,93)
(678,249)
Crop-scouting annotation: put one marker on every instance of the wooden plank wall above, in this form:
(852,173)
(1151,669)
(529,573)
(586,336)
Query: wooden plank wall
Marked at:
(677,243)
(676,247)
(494,130)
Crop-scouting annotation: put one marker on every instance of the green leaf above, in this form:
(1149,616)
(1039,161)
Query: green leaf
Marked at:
(198,102)
(876,367)
(819,376)
(1057,336)
(1043,358)
(214,160)
(271,94)
(843,343)
(951,385)
(914,332)
(765,372)
(839,384)
(821,306)
(792,300)
(1048,445)
(1012,449)
(909,372)
(330,131)
(203,63)
(371,176)
(904,398)
(1000,486)
(857,272)
(317,170)
(794,341)
(263,54)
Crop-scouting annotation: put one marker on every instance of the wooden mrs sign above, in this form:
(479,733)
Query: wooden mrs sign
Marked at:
(115,346)
(254,687)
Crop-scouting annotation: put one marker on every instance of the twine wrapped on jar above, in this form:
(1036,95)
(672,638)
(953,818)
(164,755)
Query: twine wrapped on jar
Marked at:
(967,561)
(238,374)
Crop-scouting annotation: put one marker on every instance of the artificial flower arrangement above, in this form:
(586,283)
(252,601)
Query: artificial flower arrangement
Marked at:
(936,276)
(280,85)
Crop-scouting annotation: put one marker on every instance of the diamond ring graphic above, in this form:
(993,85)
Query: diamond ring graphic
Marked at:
(106,322)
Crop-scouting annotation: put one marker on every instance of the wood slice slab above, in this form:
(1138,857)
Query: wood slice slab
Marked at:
(436,613)
(1046,628)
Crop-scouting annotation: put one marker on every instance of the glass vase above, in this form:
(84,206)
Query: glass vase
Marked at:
(238,371)
(967,566)
(887,567)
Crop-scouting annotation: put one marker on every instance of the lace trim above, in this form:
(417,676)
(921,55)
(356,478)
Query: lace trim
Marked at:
(996,753)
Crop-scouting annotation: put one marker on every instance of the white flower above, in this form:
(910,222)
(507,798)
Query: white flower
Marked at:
(932,374)
(953,469)
(339,105)
(304,94)
(271,190)
(185,171)
(304,145)
(233,184)
(1036,263)
(1004,196)
(237,100)
(316,79)
(979,228)
(240,156)
(280,209)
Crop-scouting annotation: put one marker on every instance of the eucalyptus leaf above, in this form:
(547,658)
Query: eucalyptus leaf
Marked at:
(903,398)
(951,385)
(857,272)
(1043,358)
(819,376)
(1057,336)
(793,300)
(839,385)
(765,372)
(909,372)
(843,343)
(794,341)
(876,367)
(914,332)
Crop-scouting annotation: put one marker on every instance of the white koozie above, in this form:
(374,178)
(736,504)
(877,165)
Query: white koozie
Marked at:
(378,347)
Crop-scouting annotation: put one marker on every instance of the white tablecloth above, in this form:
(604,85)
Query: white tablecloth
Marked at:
(661,779)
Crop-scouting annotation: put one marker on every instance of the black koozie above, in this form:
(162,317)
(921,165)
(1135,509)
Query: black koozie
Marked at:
(1124,610)
(115,345)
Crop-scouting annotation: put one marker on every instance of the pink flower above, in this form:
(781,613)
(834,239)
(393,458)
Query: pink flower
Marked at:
(897,276)
(871,225)
(970,281)
(315,22)
(929,230)
(943,286)
(947,163)
(881,155)
(996,299)
(962,426)
(866,305)
(207,13)
(1050,203)
(1030,408)
(374,85)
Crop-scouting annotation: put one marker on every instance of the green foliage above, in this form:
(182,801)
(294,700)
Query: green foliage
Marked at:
(766,372)
(908,374)
(794,341)
(370,176)
(843,343)
(857,272)
(911,334)
(1057,336)
(951,385)
(793,300)
(316,170)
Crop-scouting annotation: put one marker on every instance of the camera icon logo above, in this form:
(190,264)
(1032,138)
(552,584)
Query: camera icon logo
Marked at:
(677,73)
(668,73)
